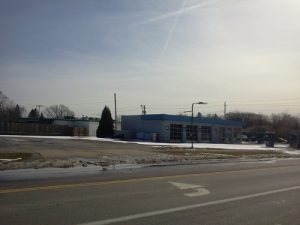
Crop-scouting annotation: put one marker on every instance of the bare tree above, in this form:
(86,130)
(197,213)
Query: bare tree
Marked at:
(4,101)
(58,112)
(8,110)
(283,123)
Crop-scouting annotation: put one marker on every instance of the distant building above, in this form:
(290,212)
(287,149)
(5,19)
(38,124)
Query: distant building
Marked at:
(51,127)
(178,129)
(90,125)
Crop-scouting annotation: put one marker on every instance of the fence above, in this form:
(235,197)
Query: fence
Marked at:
(40,129)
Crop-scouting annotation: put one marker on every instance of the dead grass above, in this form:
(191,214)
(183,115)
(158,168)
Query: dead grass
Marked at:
(222,153)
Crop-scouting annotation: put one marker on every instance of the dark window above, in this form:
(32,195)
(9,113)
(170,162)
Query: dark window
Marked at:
(222,132)
(176,132)
(205,134)
(190,132)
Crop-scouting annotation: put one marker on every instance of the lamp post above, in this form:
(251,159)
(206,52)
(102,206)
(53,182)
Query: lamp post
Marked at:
(187,111)
(192,120)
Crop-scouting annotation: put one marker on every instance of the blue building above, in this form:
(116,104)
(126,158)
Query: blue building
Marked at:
(179,129)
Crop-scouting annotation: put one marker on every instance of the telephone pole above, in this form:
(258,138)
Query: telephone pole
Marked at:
(143,109)
(225,106)
(115,98)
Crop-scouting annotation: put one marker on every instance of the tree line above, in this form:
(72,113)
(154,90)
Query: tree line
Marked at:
(11,112)
(255,123)
(106,123)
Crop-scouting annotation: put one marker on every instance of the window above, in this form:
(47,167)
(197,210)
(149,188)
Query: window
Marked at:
(205,134)
(176,132)
(222,132)
(189,132)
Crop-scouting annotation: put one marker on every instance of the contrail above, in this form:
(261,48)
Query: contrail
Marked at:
(174,13)
(172,29)
(184,10)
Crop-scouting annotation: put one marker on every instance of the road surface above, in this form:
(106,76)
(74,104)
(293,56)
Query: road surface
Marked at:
(226,193)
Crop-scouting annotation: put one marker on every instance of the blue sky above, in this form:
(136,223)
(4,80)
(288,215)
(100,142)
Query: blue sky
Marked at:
(164,54)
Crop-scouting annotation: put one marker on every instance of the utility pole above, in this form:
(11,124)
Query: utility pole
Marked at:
(39,107)
(143,109)
(115,98)
(225,106)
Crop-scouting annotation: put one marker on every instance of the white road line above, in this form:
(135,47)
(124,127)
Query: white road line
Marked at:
(188,207)
(200,190)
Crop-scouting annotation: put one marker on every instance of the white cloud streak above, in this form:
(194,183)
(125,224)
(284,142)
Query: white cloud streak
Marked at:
(174,13)
(172,30)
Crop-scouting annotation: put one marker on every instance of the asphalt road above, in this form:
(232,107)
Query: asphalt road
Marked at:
(229,193)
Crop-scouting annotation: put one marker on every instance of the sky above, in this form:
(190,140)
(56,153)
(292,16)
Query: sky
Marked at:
(164,54)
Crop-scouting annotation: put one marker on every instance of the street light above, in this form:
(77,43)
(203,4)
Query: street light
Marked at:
(192,120)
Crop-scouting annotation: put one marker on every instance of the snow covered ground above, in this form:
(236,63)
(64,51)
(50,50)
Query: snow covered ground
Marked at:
(278,147)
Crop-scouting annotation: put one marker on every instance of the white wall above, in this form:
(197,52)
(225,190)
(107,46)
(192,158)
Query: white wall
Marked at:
(93,125)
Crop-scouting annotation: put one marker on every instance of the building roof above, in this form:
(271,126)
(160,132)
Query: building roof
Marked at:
(76,120)
(197,119)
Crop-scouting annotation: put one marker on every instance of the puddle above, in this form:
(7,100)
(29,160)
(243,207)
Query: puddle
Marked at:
(46,173)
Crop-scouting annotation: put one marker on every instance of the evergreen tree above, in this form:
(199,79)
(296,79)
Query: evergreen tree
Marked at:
(8,110)
(42,117)
(106,124)
(15,113)
(33,114)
